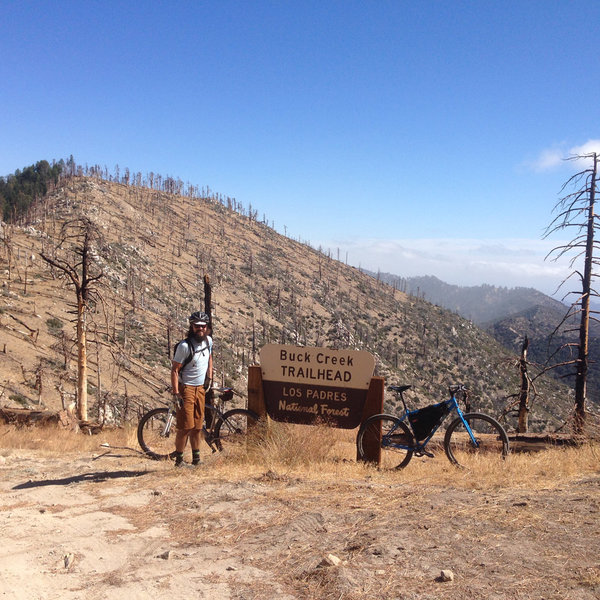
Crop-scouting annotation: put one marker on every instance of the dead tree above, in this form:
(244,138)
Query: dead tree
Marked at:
(74,259)
(524,392)
(208,300)
(576,210)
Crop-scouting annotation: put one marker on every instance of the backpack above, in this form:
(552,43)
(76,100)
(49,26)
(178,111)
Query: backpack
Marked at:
(188,359)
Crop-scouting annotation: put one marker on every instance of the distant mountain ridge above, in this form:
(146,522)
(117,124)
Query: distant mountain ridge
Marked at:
(549,345)
(482,304)
(510,315)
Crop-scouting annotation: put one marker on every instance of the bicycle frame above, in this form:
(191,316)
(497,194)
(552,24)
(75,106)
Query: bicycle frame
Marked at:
(451,404)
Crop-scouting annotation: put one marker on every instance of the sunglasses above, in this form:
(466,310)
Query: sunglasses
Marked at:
(200,325)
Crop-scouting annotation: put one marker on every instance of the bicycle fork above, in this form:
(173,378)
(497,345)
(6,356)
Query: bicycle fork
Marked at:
(166,432)
(469,430)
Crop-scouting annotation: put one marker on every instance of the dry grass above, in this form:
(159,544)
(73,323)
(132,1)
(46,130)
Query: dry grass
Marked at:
(296,493)
(314,496)
(282,445)
(56,440)
(322,454)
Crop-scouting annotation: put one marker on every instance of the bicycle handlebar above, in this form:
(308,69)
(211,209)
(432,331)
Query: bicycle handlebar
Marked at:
(458,387)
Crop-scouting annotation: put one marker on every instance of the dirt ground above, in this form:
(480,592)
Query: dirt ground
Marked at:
(113,524)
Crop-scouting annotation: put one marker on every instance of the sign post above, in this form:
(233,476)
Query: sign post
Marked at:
(373,406)
(256,398)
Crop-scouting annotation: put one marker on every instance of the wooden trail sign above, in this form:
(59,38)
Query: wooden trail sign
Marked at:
(313,385)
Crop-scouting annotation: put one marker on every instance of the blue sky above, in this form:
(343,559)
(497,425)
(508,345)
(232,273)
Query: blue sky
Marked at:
(419,138)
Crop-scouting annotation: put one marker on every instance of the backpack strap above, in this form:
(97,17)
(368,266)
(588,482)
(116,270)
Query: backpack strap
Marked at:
(188,359)
(192,350)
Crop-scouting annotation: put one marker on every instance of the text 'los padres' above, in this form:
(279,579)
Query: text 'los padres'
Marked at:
(313,394)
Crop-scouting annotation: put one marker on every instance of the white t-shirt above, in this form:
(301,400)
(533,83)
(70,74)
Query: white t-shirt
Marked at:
(194,373)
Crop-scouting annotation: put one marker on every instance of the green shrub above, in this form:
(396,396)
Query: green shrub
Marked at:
(54,325)
(19,399)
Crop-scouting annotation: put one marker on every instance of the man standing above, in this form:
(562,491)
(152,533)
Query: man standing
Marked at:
(191,368)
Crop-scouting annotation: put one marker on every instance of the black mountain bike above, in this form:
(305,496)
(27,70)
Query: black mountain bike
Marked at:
(156,431)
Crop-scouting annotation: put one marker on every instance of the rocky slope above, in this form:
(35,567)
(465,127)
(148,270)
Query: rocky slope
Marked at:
(156,249)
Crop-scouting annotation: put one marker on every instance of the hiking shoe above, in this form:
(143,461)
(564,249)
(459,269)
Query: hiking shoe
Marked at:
(196,462)
(182,465)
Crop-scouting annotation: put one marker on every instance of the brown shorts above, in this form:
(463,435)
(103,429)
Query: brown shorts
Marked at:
(191,415)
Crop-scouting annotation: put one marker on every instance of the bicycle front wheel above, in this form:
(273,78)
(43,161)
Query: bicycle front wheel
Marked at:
(232,429)
(490,440)
(155,434)
(394,437)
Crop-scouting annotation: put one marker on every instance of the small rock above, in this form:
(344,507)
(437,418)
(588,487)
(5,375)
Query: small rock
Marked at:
(165,555)
(331,560)
(69,559)
(446,575)
(231,568)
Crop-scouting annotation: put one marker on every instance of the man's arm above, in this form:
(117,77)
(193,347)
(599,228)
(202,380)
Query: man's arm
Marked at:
(175,367)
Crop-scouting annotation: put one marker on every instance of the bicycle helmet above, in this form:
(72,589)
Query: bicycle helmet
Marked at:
(199,318)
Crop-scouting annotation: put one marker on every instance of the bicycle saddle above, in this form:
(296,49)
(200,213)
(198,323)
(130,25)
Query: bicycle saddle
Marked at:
(399,388)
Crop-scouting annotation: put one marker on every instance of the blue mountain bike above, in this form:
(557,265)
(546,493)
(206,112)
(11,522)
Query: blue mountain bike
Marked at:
(468,438)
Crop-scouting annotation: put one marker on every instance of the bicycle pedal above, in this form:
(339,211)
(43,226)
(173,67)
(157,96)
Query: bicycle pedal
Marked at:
(424,453)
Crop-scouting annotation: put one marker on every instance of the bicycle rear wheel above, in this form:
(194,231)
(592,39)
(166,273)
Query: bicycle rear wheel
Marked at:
(392,432)
(232,429)
(490,440)
(155,434)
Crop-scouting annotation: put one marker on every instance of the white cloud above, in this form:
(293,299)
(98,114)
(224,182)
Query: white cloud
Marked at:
(547,160)
(556,156)
(500,262)
(590,147)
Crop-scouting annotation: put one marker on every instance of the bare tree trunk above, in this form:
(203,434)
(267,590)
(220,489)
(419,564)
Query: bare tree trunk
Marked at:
(82,400)
(577,210)
(524,394)
(584,327)
(98,376)
(208,298)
